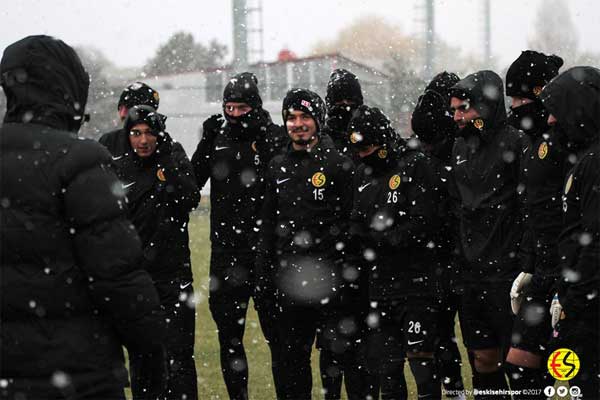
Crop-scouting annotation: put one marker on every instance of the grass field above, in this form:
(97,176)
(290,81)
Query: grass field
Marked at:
(211,384)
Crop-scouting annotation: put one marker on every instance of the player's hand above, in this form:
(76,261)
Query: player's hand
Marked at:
(213,123)
(519,284)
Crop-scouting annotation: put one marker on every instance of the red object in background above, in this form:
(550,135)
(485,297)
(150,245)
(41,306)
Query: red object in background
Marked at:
(286,55)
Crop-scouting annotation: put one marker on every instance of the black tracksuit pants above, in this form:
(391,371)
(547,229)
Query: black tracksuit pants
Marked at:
(231,287)
(170,371)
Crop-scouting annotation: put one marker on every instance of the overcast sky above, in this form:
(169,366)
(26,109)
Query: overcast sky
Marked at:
(128,32)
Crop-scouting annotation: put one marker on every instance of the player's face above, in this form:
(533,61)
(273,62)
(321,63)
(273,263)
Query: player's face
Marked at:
(463,112)
(517,101)
(552,120)
(142,140)
(235,110)
(301,126)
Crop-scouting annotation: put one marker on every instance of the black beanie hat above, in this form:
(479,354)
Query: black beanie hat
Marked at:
(139,94)
(243,88)
(306,101)
(343,85)
(370,126)
(431,119)
(145,115)
(529,73)
(442,83)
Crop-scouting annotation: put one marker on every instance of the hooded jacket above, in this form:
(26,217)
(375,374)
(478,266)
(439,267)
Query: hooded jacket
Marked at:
(486,173)
(543,169)
(395,216)
(72,292)
(574,99)
(161,191)
(234,158)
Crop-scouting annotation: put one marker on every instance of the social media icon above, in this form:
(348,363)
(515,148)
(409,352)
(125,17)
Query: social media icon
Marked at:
(562,391)
(549,391)
(575,391)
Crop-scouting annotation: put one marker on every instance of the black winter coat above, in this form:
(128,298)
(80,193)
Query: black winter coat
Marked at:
(234,159)
(71,290)
(486,172)
(158,204)
(308,199)
(395,220)
(573,98)
(544,167)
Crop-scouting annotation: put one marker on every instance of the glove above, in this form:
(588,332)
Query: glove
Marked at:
(556,311)
(212,124)
(520,283)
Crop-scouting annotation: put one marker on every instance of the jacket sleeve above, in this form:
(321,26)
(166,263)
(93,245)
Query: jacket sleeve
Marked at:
(267,236)
(201,157)
(181,187)
(107,247)
(584,292)
(417,222)
(526,253)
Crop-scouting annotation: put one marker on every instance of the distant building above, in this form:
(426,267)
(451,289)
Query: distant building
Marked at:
(189,98)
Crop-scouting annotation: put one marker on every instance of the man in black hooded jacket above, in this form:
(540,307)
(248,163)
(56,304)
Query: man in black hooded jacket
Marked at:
(161,191)
(302,239)
(394,220)
(233,153)
(435,130)
(486,171)
(72,289)
(543,168)
(573,101)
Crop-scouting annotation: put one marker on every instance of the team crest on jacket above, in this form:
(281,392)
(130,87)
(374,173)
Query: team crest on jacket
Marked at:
(569,184)
(537,90)
(160,174)
(543,150)
(318,179)
(478,123)
(394,182)
(355,137)
(382,153)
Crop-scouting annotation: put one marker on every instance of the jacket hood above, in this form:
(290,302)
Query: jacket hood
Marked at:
(485,91)
(44,82)
(573,97)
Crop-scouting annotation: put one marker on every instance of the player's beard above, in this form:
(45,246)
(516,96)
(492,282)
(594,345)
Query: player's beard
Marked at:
(300,141)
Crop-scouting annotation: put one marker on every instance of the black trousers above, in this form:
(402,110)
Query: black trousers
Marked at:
(231,287)
(447,353)
(169,372)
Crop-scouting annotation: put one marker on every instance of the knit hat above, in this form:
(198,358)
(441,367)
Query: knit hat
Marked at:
(145,115)
(343,85)
(306,101)
(529,73)
(370,126)
(139,94)
(243,88)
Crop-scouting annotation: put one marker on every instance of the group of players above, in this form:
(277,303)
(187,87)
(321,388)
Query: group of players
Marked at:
(370,243)
(342,232)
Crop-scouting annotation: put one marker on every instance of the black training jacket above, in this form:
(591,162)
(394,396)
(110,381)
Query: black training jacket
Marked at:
(158,203)
(71,290)
(544,167)
(308,199)
(573,98)
(486,172)
(395,221)
(234,159)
